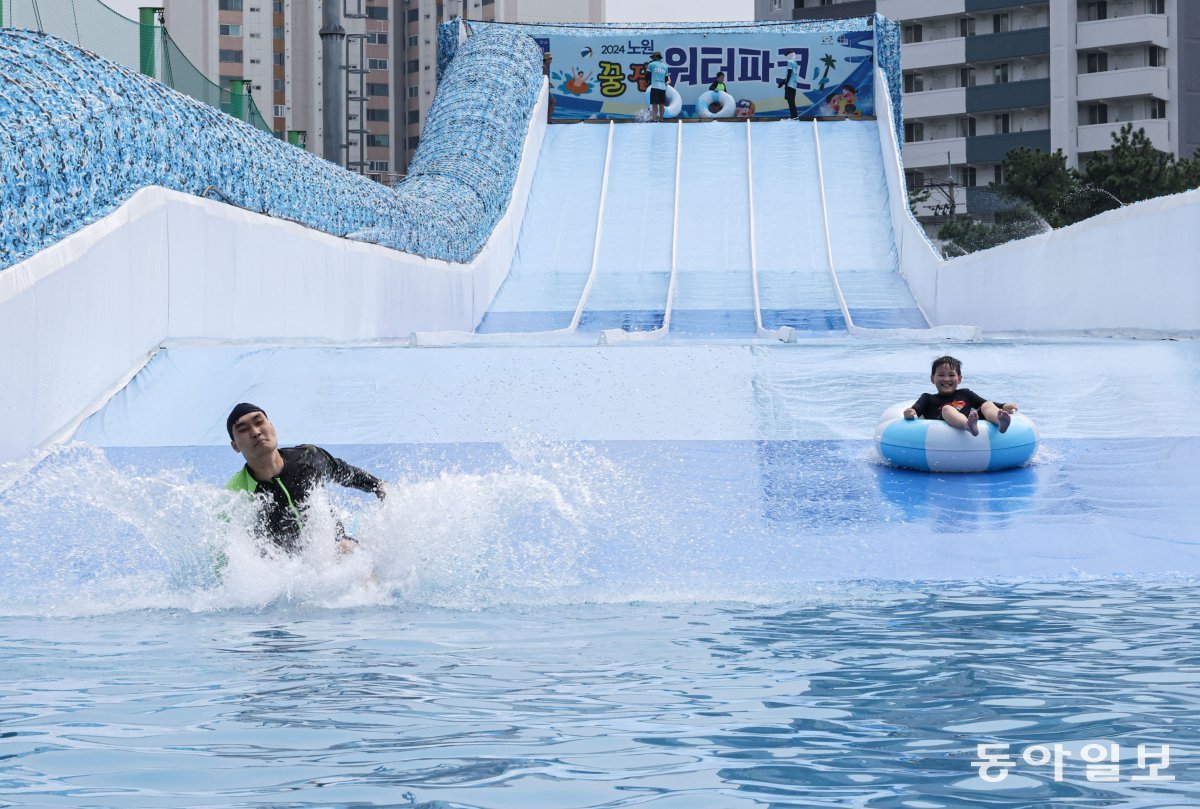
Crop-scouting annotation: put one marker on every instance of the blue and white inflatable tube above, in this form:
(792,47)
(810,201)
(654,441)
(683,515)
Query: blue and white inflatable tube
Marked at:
(933,445)
(674,103)
(710,97)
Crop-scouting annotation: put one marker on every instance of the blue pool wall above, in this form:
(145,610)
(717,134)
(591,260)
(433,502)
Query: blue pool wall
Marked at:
(82,134)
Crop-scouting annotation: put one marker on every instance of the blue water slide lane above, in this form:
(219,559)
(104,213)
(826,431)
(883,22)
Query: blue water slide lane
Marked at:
(634,270)
(863,245)
(714,294)
(554,250)
(795,288)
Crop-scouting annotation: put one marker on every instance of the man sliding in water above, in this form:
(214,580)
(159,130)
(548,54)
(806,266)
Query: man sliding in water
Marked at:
(282,479)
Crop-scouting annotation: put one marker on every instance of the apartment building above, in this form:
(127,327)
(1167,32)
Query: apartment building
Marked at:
(982,77)
(389,63)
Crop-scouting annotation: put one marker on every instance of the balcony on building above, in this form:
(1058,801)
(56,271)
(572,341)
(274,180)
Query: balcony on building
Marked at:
(932,103)
(1008,95)
(1008,45)
(837,11)
(933,153)
(994,148)
(933,53)
(976,6)
(1138,29)
(1134,81)
(1098,137)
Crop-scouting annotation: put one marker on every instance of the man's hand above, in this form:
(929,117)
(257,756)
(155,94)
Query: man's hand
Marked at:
(910,414)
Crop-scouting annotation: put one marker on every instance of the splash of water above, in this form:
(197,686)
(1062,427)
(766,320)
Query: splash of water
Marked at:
(81,536)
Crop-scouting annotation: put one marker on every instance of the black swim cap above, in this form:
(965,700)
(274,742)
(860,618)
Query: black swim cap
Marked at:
(238,411)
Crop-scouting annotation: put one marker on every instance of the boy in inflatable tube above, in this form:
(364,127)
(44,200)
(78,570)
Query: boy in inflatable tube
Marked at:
(958,407)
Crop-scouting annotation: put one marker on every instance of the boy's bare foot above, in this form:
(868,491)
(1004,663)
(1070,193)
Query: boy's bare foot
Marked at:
(973,422)
(1004,420)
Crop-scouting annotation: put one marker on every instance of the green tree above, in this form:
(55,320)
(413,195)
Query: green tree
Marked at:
(1134,170)
(1046,184)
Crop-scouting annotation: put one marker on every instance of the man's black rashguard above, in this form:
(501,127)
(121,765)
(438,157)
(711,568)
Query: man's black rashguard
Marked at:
(304,468)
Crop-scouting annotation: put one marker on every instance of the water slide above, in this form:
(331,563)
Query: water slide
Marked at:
(721,219)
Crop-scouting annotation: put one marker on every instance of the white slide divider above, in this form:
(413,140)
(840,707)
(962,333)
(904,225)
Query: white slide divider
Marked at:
(449,338)
(785,333)
(936,332)
(610,336)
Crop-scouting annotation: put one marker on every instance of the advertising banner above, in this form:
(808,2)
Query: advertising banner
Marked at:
(604,76)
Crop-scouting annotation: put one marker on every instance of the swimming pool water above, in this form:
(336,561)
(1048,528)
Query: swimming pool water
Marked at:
(672,576)
(863,695)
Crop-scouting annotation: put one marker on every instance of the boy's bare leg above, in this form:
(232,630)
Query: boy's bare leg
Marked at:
(951,416)
(995,415)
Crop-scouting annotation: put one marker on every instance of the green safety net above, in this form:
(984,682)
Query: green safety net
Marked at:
(94,26)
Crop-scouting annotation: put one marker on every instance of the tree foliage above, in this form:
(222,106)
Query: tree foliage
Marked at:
(1043,184)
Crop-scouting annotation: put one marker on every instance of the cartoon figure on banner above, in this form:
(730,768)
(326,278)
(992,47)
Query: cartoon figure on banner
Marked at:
(844,102)
(579,84)
(745,108)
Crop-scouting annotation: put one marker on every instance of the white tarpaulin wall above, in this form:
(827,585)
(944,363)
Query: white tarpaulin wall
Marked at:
(77,319)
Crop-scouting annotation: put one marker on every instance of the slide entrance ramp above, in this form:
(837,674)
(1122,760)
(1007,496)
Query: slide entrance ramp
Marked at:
(708,230)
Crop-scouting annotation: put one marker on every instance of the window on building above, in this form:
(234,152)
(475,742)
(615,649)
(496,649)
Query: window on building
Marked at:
(913,33)
(413,141)
(966,127)
(378,140)
(998,174)
(1157,7)
(966,77)
(490,2)
(378,114)
(229,5)
(414,117)
(1001,22)
(1002,123)
(1097,113)
(279,86)
(413,65)
(377,64)
(280,110)
(229,56)
(1097,62)
(914,179)
(377,38)
(413,15)
(277,32)
(229,30)
(277,58)
(413,41)
(414,91)
(1158,108)
(966,27)
(966,176)
(914,83)
(914,131)
(377,88)
(776,5)
(1000,73)
(377,165)
(1096,11)
(377,12)
(1156,56)
(277,6)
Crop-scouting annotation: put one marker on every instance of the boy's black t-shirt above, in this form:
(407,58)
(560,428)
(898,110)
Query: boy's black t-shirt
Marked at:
(930,405)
